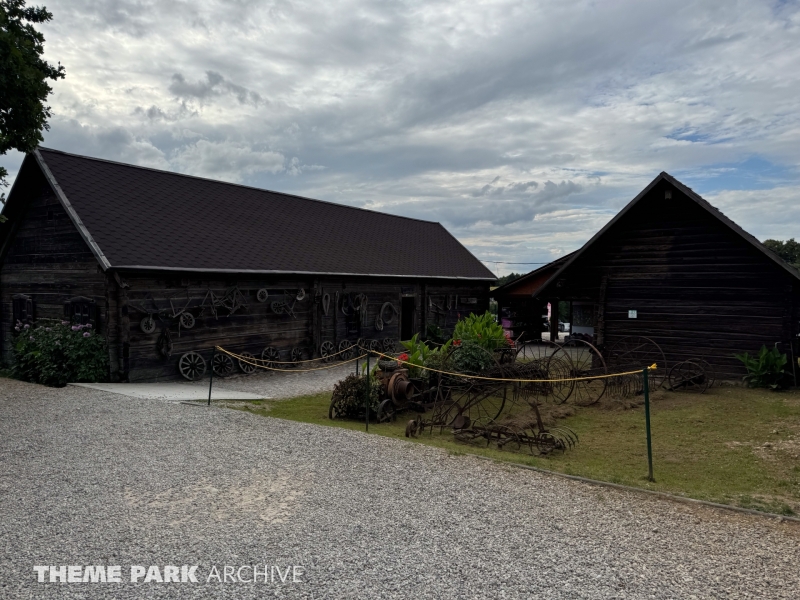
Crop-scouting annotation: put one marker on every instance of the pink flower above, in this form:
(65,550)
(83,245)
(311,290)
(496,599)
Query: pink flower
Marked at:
(65,322)
(88,326)
(87,334)
(28,327)
(76,328)
(17,327)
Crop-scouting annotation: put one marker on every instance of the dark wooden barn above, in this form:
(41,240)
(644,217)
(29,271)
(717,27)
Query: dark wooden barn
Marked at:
(164,264)
(673,268)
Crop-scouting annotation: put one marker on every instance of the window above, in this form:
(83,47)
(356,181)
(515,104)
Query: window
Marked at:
(24,308)
(81,311)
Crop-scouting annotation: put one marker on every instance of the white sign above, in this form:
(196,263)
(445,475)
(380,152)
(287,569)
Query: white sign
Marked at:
(632,314)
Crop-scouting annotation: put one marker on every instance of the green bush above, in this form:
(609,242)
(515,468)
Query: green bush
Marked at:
(766,369)
(349,394)
(481,330)
(55,352)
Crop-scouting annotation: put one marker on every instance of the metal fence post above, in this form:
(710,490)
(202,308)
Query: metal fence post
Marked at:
(366,399)
(647,423)
(211,379)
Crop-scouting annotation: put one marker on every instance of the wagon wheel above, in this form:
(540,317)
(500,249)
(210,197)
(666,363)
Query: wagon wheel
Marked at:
(247,363)
(148,324)
(187,320)
(635,353)
(549,366)
(296,355)
(387,411)
(346,350)
(192,366)
(222,365)
(277,307)
(373,345)
(270,356)
(361,343)
(711,374)
(688,375)
(586,362)
(480,400)
(389,345)
(262,295)
(327,350)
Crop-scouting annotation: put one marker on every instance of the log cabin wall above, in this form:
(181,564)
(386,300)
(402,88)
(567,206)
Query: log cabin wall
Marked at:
(700,290)
(256,326)
(48,260)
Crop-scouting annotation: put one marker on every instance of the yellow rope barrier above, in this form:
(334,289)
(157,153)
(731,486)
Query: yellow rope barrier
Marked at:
(248,361)
(464,376)
(403,362)
(294,362)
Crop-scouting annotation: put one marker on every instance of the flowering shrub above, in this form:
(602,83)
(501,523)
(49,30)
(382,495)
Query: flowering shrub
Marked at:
(56,352)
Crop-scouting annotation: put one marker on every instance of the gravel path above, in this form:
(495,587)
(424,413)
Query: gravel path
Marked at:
(285,384)
(91,478)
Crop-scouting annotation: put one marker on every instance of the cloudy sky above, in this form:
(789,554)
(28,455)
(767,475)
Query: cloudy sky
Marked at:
(521,126)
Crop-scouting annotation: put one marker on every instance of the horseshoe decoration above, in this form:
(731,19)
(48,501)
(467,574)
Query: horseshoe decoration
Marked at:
(301,294)
(326,303)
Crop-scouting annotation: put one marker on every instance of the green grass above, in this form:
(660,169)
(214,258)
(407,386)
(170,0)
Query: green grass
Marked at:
(709,446)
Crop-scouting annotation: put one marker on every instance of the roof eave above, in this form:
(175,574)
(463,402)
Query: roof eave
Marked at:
(285,272)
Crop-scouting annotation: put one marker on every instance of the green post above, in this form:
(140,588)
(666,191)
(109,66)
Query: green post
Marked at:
(211,379)
(366,398)
(647,424)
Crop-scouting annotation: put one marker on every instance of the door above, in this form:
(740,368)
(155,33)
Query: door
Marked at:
(407,306)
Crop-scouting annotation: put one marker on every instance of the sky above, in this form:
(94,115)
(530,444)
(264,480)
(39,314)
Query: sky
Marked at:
(523,127)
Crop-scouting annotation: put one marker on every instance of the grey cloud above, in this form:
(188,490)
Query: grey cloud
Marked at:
(214,85)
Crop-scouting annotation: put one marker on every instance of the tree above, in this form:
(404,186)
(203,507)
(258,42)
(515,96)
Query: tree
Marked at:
(506,278)
(788,250)
(24,79)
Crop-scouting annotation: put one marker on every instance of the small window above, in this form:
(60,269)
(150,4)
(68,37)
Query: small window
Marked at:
(81,311)
(24,308)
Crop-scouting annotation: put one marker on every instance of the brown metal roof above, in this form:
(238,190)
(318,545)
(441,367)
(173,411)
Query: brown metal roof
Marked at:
(135,217)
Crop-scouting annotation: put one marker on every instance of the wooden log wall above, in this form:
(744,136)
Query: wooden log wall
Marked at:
(256,327)
(699,289)
(48,261)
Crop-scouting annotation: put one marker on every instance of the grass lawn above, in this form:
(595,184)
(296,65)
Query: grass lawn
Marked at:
(730,445)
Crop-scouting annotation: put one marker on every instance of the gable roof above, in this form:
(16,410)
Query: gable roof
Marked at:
(695,197)
(141,218)
(511,288)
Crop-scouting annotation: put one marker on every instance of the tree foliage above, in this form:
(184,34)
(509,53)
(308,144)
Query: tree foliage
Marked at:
(788,250)
(24,77)
(506,278)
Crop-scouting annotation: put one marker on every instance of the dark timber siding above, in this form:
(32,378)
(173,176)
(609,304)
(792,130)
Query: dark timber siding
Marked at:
(49,261)
(256,327)
(699,288)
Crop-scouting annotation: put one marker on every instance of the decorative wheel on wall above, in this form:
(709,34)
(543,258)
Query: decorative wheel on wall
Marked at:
(296,355)
(271,357)
(222,365)
(373,345)
(192,366)
(148,324)
(262,295)
(389,345)
(327,350)
(187,320)
(688,375)
(247,363)
(346,349)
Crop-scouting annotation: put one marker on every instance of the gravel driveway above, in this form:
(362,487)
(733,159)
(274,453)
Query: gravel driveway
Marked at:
(91,478)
